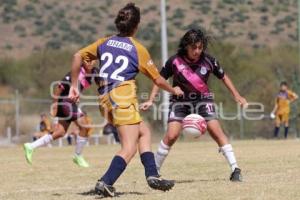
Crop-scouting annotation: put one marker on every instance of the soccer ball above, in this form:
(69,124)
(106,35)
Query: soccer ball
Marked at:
(194,124)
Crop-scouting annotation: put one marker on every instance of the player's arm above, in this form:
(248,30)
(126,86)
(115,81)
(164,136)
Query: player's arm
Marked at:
(292,96)
(219,73)
(147,104)
(275,106)
(148,68)
(75,69)
(166,72)
(238,98)
(84,55)
(160,82)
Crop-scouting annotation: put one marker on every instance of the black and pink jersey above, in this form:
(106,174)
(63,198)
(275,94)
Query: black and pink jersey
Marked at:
(84,79)
(192,78)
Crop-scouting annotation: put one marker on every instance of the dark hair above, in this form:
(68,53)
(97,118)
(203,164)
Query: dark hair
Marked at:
(128,19)
(283,83)
(192,37)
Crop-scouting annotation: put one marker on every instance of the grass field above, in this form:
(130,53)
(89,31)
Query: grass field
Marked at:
(270,169)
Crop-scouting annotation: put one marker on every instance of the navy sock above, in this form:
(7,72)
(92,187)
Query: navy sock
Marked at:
(286,131)
(276,131)
(115,169)
(148,161)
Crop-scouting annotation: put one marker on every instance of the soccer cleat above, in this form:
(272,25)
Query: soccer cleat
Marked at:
(105,190)
(236,175)
(80,161)
(28,152)
(157,183)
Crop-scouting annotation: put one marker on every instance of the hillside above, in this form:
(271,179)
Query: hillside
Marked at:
(33,25)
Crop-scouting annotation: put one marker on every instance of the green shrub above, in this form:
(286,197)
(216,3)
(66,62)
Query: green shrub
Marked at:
(50,24)
(178,13)
(53,44)
(64,25)
(239,17)
(29,11)
(148,33)
(8,47)
(264,20)
(59,14)
(9,3)
(20,30)
(111,28)
(39,22)
(35,1)
(252,36)
(89,28)
(48,6)
(263,8)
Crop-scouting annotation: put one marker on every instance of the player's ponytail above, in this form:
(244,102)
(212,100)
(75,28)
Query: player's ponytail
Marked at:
(128,19)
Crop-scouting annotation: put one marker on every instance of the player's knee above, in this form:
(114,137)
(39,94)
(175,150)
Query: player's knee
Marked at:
(59,132)
(171,139)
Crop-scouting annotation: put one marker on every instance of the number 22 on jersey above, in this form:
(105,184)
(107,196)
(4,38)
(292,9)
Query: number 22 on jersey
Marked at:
(109,60)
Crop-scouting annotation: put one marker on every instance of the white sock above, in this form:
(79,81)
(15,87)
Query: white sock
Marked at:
(228,153)
(42,141)
(161,154)
(80,143)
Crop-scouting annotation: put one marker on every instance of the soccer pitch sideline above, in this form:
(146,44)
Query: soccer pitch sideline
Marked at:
(271,170)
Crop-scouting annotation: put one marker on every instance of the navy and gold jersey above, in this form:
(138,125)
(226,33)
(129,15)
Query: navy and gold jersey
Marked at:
(120,58)
(283,101)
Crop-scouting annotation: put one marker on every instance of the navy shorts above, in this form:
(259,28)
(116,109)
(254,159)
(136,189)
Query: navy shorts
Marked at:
(178,110)
(68,111)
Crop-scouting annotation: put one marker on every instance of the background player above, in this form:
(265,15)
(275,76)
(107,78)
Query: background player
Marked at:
(45,127)
(67,112)
(121,58)
(282,108)
(190,69)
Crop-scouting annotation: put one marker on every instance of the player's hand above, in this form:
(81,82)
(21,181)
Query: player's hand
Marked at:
(178,91)
(89,64)
(146,105)
(242,101)
(272,115)
(74,94)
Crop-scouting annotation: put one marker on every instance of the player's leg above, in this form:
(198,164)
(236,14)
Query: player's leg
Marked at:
(173,132)
(144,138)
(177,112)
(147,158)
(285,119)
(81,140)
(59,131)
(216,132)
(277,125)
(127,120)
(129,135)
(128,139)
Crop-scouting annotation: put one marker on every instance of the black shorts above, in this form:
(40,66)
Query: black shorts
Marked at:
(68,111)
(179,110)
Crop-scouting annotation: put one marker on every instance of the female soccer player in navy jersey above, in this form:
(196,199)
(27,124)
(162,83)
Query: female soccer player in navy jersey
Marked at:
(190,69)
(121,57)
